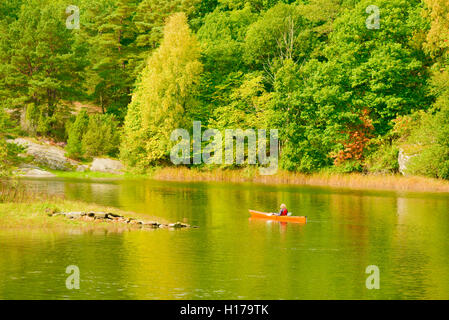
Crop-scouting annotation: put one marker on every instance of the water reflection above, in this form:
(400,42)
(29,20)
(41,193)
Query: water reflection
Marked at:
(231,256)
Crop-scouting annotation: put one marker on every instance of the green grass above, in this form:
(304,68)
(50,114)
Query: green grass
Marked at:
(30,212)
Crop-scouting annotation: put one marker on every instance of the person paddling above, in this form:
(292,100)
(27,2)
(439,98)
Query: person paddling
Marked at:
(283,211)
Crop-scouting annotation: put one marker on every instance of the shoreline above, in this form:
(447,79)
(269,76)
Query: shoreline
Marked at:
(355,181)
(61,214)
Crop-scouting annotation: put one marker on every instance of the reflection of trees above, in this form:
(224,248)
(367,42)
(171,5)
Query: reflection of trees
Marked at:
(33,264)
(232,257)
(421,248)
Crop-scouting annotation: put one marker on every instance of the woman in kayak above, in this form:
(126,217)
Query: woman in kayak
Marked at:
(283,211)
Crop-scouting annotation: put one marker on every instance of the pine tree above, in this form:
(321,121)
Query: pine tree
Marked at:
(101,137)
(76,132)
(38,64)
(111,35)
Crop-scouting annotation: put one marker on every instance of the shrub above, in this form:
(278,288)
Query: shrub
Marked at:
(46,121)
(101,137)
(8,151)
(432,137)
(76,131)
(384,159)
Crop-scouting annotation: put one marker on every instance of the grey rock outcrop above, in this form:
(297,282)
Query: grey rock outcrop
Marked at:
(32,173)
(50,156)
(106,165)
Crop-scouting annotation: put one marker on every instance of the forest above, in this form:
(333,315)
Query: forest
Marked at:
(348,86)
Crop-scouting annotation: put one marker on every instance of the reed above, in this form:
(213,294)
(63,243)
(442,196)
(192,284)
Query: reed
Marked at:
(15,191)
(338,180)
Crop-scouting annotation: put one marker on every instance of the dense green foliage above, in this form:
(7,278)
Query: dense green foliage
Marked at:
(76,131)
(94,135)
(165,98)
(338,91)
(8,151)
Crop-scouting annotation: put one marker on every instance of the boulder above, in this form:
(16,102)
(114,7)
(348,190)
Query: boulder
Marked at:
(114,215)
(177,225)
(50,156)
(75,215)
(151,224)
(106,165)
(100,215)
(34,173)
(82,168)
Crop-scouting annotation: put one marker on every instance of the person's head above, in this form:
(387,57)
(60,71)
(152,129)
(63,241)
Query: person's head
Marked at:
(283,206)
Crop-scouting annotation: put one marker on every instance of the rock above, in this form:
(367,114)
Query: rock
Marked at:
(100,215)
(52,157)
(113,215)
(106,165)
(177,225)
(87,218)
(82,168)
(151,224)
(403,160)
(75,215)
(33,173)
(57,214)
(28,166)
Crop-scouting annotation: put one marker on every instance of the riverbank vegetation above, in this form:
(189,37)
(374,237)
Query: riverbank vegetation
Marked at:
(346,92)
(21,209)
(355,180)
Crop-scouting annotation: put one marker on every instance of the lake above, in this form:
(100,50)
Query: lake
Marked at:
(406,235)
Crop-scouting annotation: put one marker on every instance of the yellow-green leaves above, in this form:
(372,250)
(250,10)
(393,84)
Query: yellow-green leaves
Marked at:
(166,93)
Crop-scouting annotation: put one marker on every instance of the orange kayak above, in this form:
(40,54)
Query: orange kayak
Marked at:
(265,215)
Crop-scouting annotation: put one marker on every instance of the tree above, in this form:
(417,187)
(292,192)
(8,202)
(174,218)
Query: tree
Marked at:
(430,133)
(75,135)
(8,151)
(222,37)
(165,96)
(150,18)
(364,77)
(111,36)
(38,66)
(280,33)
(101,136)
(438,36)
(9,9)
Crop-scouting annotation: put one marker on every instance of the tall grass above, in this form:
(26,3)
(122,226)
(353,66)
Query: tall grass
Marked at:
(11,191)
(15,191)
(338,180)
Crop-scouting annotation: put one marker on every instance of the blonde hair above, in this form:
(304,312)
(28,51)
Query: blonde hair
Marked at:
(283,206)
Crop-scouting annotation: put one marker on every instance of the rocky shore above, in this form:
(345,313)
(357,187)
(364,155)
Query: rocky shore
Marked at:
(116,218)
(43,155)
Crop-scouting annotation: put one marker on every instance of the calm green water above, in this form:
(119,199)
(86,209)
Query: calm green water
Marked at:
(231,256)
